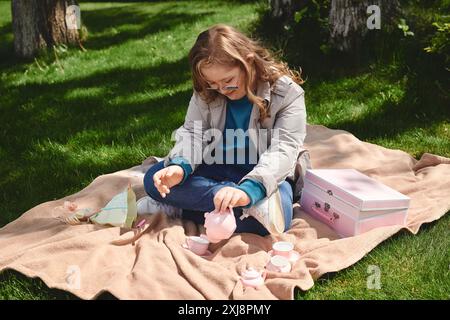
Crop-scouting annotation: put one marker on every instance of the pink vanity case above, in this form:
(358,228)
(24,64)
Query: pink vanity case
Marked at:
(350,202)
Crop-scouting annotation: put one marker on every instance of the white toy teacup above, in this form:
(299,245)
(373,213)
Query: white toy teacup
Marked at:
(282,248)
(198,245)
(279,264)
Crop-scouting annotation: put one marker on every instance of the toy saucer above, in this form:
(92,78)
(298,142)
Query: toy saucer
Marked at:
(293,257)
(207,254)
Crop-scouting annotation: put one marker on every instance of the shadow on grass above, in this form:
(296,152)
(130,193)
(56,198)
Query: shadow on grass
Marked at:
(104,100)
(395,117)
(36,288)
(112,26)
(7,56)
(423,105)
(111,109)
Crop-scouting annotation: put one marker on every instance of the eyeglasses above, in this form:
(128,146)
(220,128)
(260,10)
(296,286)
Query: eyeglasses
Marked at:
(226,88)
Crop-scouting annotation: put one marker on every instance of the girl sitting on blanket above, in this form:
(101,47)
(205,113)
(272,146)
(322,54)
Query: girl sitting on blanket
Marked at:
(241,144)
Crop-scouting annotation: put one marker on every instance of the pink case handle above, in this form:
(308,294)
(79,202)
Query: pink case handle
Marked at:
(325,216)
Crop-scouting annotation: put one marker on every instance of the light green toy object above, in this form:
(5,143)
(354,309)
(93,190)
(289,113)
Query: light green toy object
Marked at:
(121,211)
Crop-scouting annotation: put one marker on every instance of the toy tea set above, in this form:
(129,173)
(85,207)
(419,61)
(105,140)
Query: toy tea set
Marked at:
(282,258)
(220,226)
(120,211)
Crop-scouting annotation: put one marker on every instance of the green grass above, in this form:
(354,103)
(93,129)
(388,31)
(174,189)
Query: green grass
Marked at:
(411,267)
(376,107)
(67,120)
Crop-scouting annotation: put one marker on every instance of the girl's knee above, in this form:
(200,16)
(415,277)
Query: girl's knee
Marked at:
(286,191)
(286,199)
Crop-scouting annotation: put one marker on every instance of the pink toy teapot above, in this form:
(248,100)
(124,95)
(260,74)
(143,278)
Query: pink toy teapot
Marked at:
(219,225)
(253,278)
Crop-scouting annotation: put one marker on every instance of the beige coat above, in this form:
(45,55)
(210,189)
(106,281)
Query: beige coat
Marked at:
(284,155)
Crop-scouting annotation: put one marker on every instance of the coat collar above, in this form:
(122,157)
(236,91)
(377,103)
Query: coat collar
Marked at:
(264,91)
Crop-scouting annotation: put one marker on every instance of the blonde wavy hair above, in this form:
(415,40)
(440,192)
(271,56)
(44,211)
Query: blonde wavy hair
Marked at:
(224,45)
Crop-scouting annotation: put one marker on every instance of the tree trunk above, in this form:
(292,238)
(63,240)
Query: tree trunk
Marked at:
(38,24)
(348,21)
(284,10)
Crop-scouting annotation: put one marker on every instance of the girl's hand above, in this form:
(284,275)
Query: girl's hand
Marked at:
(168,177)
(230,197)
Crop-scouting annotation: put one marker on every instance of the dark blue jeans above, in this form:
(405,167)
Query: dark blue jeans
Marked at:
(195,196)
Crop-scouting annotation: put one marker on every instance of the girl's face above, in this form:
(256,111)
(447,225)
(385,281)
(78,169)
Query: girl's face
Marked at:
(219,76)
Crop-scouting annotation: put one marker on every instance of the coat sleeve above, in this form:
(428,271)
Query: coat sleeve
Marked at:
(288,135)
(189,142)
